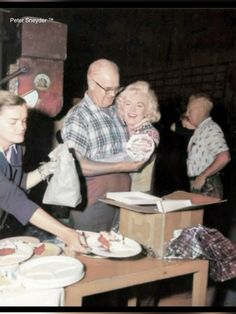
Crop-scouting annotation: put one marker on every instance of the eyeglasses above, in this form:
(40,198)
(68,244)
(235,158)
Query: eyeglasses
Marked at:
(108,90)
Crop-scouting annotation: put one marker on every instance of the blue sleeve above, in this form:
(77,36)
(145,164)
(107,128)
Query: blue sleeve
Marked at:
(14,200)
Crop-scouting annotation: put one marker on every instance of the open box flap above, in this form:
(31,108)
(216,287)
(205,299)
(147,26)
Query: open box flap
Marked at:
(198,201)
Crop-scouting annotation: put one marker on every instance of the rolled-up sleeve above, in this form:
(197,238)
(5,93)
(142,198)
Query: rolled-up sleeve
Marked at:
(216,143)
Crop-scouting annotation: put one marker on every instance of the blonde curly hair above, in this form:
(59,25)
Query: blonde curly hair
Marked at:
(140,87)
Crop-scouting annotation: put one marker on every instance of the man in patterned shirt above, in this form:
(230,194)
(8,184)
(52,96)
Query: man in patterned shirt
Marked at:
(94,132)
(208,152)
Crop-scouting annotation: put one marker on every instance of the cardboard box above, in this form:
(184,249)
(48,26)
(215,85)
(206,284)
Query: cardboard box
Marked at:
(153,229)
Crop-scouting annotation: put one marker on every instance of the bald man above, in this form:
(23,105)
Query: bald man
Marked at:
(94,132)
(208,152)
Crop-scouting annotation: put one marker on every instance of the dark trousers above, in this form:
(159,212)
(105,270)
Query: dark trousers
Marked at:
(212,187)
(96,217)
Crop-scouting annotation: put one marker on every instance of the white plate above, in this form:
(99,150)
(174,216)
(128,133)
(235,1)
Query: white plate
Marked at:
(50,272)
(88,234)
(119,249)
(136,149)
(7,283)
(23,252)
(24,239)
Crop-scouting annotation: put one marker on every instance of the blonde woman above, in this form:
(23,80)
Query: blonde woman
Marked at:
(138,108)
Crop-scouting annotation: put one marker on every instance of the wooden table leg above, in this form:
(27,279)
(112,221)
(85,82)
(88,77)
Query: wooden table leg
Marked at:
(132,301)
(72,297)
(200,280)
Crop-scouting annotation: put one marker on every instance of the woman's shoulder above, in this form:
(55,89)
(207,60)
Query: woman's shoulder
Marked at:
(148,128)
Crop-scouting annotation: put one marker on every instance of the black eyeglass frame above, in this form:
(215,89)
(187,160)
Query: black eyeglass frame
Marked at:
(108,90)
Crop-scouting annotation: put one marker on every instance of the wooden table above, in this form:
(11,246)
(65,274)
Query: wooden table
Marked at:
(104,275)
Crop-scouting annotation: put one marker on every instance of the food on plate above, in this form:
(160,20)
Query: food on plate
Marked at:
(104,240)
(39,248)
(45,249)
(7,251)
(7,248)
(110,240)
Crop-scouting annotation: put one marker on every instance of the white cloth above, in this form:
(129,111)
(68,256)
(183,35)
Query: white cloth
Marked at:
(207,141)
(21,296)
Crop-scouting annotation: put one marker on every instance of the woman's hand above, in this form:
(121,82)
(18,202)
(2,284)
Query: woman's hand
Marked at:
(73,242)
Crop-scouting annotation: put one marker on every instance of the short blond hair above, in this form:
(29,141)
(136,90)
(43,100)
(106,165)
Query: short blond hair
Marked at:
(207,101)
(8,99)
(140,87)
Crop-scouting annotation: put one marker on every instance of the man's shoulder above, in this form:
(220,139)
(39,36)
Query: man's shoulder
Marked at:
(80,111)
(80,106)
(208,124)
(212,125)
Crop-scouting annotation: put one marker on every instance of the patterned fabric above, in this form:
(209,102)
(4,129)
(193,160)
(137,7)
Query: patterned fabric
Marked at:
(95,133)
(207,141)
(91,131)
(206,243)
(148,128)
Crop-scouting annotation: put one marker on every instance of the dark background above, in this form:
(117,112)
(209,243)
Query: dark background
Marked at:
(178,50)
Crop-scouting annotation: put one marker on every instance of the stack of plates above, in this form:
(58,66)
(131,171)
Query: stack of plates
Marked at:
(50,272)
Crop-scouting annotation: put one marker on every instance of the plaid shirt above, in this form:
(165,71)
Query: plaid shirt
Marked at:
(206,243)
(92,131)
